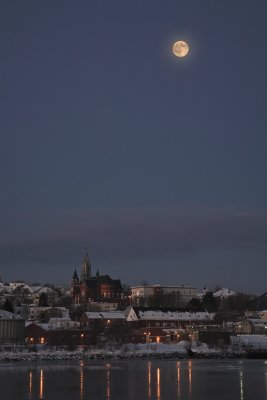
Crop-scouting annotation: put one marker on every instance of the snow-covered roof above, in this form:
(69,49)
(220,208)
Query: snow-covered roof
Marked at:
(34,289)
(224,293)
(164,286)
(174,315)
(40,289)
(64,319)
(105,315)
(44,326)
(258,322)
(7,315)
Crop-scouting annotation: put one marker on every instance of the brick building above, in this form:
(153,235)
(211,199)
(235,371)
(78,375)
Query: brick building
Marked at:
(96,288)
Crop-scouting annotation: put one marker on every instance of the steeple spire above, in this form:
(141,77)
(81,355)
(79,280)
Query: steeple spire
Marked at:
(75,278)
(86,267)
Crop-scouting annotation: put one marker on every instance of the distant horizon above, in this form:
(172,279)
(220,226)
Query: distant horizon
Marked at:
(211,287)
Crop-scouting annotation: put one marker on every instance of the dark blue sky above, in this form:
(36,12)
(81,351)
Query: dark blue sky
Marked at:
(156,164)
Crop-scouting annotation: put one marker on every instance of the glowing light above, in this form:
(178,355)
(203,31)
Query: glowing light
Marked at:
(180,48)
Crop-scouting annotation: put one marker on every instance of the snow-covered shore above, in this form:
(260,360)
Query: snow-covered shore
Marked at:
(129,351)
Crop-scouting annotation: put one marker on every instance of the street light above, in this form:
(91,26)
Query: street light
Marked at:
(147,335)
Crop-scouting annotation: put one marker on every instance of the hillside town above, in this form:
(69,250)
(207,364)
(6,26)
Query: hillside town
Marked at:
(97,311)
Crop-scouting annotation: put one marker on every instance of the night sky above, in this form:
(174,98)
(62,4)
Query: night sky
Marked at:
(108,141)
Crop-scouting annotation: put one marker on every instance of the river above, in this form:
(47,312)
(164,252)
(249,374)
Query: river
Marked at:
(135,380)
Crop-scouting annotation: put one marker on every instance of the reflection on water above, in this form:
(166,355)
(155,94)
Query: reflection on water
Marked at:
(81,379)
(190,377)
(149,379)
(30,384)
(241,385)
(41,391)
(108,381)
(158,383)
(178,380)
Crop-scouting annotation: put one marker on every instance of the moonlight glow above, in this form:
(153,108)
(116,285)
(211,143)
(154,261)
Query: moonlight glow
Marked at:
(180,49)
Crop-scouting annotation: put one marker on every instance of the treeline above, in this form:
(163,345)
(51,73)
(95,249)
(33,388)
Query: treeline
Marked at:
(240,303)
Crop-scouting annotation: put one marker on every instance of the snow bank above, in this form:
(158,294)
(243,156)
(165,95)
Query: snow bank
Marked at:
(128,351)
(250,341)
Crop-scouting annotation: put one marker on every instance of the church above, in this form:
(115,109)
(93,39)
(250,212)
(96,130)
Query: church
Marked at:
(96,288)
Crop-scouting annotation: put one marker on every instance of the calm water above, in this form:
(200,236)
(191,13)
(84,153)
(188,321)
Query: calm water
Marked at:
(135,380)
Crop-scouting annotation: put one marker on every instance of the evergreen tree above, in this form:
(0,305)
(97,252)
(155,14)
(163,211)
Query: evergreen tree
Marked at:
(7,306)
(195,305)
(209,302)
(43,300)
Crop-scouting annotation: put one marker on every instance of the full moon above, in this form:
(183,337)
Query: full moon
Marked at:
(180,48)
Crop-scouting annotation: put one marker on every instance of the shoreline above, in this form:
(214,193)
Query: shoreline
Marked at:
(113,355)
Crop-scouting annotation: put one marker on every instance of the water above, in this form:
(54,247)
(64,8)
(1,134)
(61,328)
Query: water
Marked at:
(135,380)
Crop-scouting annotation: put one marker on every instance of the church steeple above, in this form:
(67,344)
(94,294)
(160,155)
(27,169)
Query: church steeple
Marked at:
(86,267)
(75,279)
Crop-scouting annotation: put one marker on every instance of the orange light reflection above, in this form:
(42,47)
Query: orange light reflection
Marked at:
(149,379)
(81,379)
(178,380)
(41,391)
(108,381)
(158,383)
(190,377)
(30,384)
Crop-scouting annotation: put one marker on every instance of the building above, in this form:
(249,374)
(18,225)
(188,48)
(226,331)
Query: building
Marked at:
(263,314)
(12,328)
(249,326)
(259,326)
(166,325)
(148,318)
(98,288)
(55,333)
(105,319)
(45,313)
(162,296)
(244,326)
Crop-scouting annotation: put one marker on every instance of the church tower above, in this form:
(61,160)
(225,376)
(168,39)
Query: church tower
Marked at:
(86,267)
(75,288)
